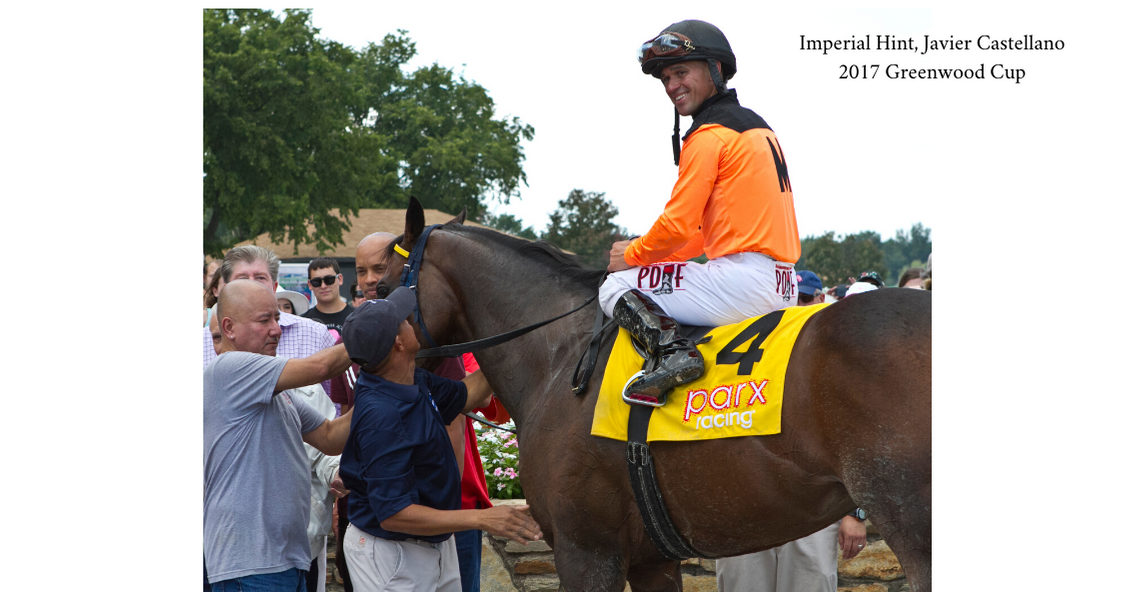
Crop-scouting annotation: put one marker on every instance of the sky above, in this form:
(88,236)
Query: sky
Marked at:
(877,154)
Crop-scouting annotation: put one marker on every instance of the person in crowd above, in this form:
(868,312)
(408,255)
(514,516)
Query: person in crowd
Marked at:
(912,278)
(324,472)
(292,302)
(356,294)
(871,277)
(300,337)
(325,280)
(209,270)
(732,201)
(397,524)
(256,473)
(211,296)
(809,289)
(928,275)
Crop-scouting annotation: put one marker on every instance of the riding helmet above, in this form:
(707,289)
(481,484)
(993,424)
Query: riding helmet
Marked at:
(709,43)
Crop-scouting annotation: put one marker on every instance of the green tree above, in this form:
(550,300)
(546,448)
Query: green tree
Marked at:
(583,224)
(906,250)
(834,261)
(508,223)
(300,131)
(442,131)
(278,153)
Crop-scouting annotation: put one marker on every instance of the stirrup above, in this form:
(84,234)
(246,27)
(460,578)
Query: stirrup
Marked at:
(641,398)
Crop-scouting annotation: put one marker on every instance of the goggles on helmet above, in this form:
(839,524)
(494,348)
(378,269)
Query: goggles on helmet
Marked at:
(665,45)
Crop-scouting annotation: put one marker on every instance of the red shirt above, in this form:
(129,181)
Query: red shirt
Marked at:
(474,489)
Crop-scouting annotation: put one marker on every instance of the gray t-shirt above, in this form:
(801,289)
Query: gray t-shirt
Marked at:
(256,476)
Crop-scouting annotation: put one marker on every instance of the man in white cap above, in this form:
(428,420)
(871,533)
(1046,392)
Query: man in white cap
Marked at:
(399,464)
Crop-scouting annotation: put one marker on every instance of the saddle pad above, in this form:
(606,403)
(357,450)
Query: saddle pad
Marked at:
(739,394)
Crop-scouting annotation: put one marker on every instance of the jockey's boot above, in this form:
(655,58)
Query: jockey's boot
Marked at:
(677,360)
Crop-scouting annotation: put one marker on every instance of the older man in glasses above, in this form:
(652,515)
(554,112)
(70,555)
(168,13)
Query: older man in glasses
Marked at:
(732,202)
(325,280)
(300,337)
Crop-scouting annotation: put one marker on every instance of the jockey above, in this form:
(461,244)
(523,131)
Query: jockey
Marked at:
(732,201)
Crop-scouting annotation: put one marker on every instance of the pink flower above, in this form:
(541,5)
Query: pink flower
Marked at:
(498,471)
(500,486)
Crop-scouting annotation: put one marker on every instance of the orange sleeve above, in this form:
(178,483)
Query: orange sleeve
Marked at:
(679,224)
(691,250)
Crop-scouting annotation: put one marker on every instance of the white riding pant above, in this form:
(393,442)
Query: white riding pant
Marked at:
(722,291)
(376,564)
(803,565)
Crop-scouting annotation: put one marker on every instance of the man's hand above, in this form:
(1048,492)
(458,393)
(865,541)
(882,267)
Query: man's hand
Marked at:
(513,522)
(336,487)
(617,256)
(852,537)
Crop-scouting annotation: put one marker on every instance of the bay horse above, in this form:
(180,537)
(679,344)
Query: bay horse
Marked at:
(855,425)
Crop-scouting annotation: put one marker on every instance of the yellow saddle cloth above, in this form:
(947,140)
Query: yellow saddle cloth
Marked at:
(739,394)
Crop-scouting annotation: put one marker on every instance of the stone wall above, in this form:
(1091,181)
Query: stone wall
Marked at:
(507,566)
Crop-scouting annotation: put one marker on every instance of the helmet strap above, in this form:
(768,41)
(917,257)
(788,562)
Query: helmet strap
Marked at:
(676,137)
(720,84)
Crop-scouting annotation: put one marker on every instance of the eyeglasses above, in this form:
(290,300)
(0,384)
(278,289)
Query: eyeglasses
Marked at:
(358,295)
(328,280)
(665,45)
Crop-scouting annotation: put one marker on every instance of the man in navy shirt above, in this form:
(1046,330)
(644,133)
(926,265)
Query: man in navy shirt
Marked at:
(399,464)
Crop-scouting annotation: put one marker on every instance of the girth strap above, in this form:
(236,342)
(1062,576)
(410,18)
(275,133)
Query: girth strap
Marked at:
(642,476)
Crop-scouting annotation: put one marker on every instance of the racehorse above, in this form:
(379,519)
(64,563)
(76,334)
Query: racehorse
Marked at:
(855,425)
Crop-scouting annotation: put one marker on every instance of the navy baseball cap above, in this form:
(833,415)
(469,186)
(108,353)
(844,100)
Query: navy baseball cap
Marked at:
(369,332)
(871,277)
(808,282)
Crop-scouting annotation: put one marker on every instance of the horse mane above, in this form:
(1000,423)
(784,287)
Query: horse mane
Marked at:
(542,253)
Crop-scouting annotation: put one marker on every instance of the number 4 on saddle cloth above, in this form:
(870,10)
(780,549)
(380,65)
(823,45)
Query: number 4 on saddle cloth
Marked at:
(739,394)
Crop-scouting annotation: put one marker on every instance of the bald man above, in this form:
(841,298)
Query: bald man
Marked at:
(256,473)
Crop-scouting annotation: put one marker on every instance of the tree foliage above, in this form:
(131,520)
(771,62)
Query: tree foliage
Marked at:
(835,260)
(583,224)
(301,131)
(509,224)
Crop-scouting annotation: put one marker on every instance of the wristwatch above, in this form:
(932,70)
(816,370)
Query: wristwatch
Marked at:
(859,514)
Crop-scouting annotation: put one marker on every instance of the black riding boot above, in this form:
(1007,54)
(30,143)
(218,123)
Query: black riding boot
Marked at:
(678,361)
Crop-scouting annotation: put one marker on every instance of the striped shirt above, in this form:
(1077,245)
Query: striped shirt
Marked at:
(300,338)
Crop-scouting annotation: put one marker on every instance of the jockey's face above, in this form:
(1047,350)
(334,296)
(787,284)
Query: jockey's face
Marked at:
(688,84)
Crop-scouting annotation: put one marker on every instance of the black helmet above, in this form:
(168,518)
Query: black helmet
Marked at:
(685,41)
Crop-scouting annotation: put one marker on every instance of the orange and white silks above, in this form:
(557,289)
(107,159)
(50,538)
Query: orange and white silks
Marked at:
(740,393)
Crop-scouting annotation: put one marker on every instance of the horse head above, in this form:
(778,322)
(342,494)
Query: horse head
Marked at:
(435,294)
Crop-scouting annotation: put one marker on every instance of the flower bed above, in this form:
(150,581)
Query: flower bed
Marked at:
(500,456)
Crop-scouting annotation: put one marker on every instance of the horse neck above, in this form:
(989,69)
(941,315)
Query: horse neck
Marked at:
(500,292)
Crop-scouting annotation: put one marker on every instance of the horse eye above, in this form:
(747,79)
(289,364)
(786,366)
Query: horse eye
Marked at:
(382,290)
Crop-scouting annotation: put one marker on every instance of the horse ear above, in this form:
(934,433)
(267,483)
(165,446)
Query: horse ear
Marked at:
(415,223)
(460,218)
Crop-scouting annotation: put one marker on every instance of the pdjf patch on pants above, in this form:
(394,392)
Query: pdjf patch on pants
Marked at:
(662,278)
(740,393)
